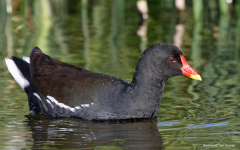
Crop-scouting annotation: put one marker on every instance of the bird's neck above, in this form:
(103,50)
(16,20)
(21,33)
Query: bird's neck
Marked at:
(149,87)
(146,90)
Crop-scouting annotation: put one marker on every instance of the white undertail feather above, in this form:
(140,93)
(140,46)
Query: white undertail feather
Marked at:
(16,73)
(27,59)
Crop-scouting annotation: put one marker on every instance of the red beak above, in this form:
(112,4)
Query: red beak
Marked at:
(188,70)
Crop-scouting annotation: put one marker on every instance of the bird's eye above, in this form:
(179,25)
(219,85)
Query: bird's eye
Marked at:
(171,59)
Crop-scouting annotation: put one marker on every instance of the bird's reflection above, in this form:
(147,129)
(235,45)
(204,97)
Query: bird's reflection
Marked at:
(75,133)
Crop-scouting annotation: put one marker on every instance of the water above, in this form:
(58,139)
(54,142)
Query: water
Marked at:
(101,36)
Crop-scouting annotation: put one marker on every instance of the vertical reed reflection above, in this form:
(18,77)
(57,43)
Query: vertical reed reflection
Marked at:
(99,53)
(43,9)
(143,25)
(167,21)
(106,32)
(59,47)
(3,40)
(237,37)
(84,18)
(9,37)
(28,33)
(196,47)
(177,38)
(117,21)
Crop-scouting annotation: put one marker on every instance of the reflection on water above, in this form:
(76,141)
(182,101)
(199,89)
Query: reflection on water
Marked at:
(104,37)
(86,134)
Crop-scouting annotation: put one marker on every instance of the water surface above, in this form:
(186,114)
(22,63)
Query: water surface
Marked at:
(103,36)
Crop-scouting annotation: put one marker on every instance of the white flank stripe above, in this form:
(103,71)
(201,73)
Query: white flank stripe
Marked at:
(86,105)
(35,94)
(27,59)
(57,103)
(52,99)
(16,73)
(50,103)
(77,107)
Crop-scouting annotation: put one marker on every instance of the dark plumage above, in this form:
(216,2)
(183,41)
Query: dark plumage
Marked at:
(58,89)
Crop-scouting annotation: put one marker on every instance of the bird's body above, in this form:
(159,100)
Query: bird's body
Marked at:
(57,89)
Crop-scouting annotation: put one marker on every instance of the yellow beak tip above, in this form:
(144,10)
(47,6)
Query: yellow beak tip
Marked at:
(196,77)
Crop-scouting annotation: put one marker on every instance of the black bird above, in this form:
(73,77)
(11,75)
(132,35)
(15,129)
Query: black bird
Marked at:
(57,89)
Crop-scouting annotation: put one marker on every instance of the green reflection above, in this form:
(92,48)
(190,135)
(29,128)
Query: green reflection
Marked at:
(85,33)
(101,36)
(45,19)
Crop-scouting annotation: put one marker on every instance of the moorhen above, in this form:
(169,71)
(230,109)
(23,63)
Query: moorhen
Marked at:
(57,89)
